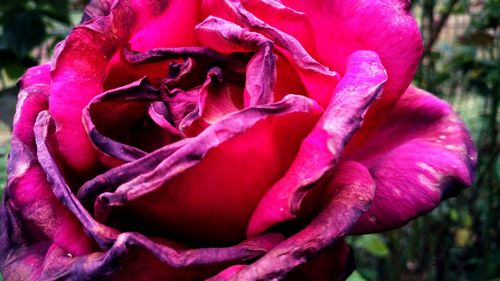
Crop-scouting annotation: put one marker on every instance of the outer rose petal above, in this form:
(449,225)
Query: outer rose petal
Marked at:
(39,74)
(28,191)
(421,155)
(386,27)
(352,192)
(334,263)
(78,72)
(323,147)
(25,263)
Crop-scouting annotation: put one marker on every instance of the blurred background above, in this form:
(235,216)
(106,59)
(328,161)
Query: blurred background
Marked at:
(460,240)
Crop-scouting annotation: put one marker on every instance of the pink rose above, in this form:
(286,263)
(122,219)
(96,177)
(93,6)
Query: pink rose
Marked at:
(224,139)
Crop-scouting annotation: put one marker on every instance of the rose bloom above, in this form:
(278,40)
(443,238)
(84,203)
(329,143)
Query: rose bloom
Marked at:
(224,140)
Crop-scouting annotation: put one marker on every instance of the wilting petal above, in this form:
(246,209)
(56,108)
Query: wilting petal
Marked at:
(39,74)
(28,191)
(421,155)
(131,257)
(334,263)
(25,263)
(351,192)
(109,180)
(44,133)
(198,180)
(227,37)
(96,8)
(317,78)
(118,122)
(323,147)
(286,19)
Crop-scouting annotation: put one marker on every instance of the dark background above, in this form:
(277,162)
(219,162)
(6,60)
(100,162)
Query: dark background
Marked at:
(457,241)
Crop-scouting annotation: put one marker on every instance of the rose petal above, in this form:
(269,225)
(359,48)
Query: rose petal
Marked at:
(44,131)
(421,155)
(96,8)
(25,263)
(286,19)
(334,263)
(78,71)
(212,102)
(27,188)
(134,257)
(385,27)
(227,37)
(106,236)
(39,74)
(108,181)
(353,189)
(124,129)
(174,20)
(217,99)
(318,79)
(200,196)
(323,147)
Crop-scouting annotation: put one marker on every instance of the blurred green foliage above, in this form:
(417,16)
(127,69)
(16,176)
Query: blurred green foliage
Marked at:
(460,240)
(25,25)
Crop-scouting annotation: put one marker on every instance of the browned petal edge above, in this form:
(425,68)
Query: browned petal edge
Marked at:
(352,192)
(115,245)
(322,148)
(191,153)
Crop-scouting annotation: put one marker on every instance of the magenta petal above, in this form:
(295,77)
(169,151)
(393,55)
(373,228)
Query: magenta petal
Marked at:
(352,190)
(35,75)
(333,263)
(26,263)
(383,26)
(421,155)
(284,18)
(44,133)
(317,78)
(200,196)
(110,180)
(115,112)
(28,191)
(174,20)
(323,147)
(227,37)
(78,71)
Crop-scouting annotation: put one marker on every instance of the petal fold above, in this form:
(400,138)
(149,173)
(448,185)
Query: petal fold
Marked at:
(322,148)
(250,149)
(421,155)
(352,190)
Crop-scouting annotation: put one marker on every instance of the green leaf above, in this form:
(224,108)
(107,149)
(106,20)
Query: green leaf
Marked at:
(355,276)
(4,151)
(373,244)
(23,30)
